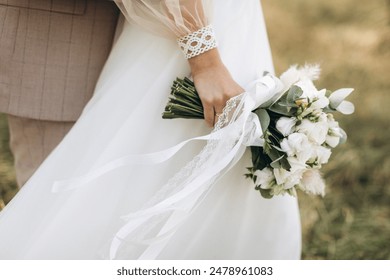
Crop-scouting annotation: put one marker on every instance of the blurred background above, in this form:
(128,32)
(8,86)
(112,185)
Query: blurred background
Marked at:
(351,41)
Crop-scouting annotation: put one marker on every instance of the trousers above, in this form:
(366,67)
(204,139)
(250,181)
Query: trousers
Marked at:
(31,141)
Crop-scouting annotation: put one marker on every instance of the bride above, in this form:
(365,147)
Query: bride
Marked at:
(106,193)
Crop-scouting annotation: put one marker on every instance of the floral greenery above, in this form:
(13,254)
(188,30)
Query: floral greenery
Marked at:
(299,130)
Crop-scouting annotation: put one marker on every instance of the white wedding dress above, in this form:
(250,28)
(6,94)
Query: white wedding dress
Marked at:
(232,220)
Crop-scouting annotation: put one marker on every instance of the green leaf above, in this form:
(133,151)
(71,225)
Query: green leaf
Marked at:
(259,159)
(263,118)
(293,94)
(281,110)
(266,193)
(276,163)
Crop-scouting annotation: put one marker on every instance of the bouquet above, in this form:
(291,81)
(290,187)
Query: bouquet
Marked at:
(299,130)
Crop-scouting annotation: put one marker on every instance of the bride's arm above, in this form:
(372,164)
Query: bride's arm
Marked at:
(213,83)
(176,19)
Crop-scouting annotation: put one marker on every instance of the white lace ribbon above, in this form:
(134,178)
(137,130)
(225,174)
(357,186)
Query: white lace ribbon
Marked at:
(236,129)
(198,42)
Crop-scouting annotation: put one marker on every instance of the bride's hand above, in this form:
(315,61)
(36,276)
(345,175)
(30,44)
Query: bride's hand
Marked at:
(214,84)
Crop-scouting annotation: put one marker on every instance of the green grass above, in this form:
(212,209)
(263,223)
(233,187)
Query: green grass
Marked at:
(8,186)
(351,41)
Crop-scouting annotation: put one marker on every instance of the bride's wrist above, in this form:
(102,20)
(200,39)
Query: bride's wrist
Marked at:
(209,59)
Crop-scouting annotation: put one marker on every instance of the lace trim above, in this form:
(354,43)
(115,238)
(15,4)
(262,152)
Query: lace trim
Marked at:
(198,42)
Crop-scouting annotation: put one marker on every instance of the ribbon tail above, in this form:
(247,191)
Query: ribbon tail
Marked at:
(144,159)
(198,186)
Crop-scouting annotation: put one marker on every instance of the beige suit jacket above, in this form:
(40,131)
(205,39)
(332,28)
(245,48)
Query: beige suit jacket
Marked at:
(51,54)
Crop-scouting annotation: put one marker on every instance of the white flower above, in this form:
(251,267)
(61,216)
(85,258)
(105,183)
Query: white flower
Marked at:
(331,121)
(308,88)
(286,125)
(320,154)
(295,164)
(312,182)
(264,178)
(267,91)
(334,133)
(287,179)
(297,144)
(319,100)
(315,131)
(332,141)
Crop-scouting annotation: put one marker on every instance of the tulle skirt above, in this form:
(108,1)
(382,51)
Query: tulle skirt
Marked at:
(124,117)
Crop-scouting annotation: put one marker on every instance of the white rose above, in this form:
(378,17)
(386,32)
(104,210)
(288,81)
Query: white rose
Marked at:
(286,125)
(264,178)
(312,182)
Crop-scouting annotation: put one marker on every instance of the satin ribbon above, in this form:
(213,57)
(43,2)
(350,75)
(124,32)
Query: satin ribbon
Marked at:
(262,91)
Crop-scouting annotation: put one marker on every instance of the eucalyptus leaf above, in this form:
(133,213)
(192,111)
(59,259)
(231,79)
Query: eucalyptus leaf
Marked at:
(277,148)
(266,193)
(263,118)
(274,154)
(284,111)
(346,108)
(283,104)
(285,164)
(338,96)
(293,94)
(276,163)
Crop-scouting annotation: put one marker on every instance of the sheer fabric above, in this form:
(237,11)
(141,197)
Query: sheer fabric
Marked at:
(124,118)
(168,18)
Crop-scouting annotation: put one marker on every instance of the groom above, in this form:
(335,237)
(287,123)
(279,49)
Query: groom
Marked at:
(51,54)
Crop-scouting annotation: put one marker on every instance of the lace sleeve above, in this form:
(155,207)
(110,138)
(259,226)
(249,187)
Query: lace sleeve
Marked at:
(187,21)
